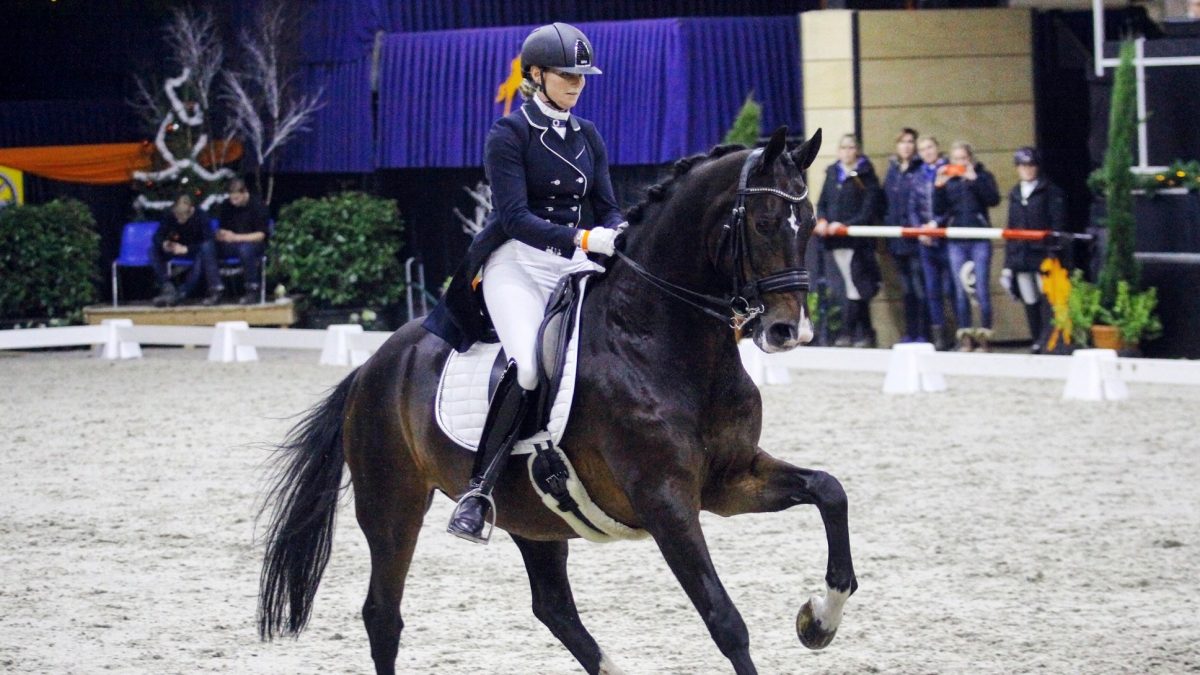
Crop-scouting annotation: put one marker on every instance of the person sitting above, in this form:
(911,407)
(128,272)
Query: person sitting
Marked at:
(1034,204)
(963,192)
(185,233)
(544,165)
(851,195)
(242,234)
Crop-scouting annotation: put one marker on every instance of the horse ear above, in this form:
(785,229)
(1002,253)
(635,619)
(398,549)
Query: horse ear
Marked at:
(774,149)
(804,155)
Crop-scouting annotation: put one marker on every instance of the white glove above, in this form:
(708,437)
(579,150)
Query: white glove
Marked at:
(600,240)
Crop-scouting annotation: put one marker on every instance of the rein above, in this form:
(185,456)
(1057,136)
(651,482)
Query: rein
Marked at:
(744,302)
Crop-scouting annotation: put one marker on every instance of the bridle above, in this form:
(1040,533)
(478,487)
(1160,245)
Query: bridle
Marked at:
(744,303)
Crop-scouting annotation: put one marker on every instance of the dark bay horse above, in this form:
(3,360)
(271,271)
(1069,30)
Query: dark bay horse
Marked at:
(665,420)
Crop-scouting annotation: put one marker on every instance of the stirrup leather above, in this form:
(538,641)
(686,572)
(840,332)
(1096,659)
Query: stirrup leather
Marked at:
(489,518)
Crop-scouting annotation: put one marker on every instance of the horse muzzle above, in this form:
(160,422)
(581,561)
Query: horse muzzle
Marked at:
(782,334)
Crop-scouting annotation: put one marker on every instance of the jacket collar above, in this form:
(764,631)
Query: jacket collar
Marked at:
(538,120)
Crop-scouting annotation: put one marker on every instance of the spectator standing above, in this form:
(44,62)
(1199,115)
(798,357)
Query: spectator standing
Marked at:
(1034,204)
(242,233)
(852,196)
(904,171)
(932,252)
(185,233)
(963,191)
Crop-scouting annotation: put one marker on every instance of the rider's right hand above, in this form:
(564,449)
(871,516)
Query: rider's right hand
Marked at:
(602,240)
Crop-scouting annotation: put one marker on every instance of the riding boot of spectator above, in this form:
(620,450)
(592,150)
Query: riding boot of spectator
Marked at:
(849,326)
(864,332)
(1033,314)
(167,296)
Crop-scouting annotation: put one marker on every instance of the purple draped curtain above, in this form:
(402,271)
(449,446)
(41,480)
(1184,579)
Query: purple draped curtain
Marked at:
(341,135)
(671,87)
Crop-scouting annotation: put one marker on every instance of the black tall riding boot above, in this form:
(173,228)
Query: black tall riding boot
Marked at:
(1033,314)
(501,430)
(864,333)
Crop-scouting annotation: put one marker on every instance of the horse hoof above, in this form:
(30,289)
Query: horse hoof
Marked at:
(809,629)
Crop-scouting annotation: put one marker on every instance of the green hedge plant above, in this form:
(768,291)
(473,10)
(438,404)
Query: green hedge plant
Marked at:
(1133,314)
(340,251)
(48,257)
(1082,311)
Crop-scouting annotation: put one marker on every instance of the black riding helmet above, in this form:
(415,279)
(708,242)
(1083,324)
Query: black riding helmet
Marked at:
(559,46)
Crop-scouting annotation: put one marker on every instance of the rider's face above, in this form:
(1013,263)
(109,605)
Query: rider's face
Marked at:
(563,88)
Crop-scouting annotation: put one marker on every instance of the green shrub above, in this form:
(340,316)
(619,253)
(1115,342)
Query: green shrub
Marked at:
(1133,314)
(1083,309)
(49,255)
(340,251)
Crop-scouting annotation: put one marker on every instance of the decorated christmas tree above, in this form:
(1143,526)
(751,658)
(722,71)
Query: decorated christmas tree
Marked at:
(186,158)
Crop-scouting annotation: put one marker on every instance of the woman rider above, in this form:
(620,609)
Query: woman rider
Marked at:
(543,163)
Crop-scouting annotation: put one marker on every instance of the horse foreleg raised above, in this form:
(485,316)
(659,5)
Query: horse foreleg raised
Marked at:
(768,485)
(554,604)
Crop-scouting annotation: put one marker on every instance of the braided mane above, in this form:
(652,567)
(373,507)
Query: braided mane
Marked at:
(658,193)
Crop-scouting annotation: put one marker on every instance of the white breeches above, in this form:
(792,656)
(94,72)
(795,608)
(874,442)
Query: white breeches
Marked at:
(517,282)
(842,258)
(1029,286)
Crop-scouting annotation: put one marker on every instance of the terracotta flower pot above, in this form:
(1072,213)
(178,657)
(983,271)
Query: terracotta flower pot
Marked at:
(1106,337)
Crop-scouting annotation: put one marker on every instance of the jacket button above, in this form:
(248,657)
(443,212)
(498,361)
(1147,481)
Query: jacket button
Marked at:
(579,180)
(556,182)
(574,208)
(549,208)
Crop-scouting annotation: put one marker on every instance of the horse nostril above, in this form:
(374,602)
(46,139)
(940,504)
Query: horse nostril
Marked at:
(783,333)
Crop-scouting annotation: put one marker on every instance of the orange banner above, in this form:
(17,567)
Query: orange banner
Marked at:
(104,164)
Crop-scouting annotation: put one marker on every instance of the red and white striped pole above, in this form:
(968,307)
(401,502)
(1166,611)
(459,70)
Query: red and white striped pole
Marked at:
(893,232)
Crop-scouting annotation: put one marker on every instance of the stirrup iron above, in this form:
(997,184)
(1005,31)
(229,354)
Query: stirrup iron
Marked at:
(489,519)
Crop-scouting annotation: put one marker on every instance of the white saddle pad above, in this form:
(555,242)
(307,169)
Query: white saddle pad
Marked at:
(462,393)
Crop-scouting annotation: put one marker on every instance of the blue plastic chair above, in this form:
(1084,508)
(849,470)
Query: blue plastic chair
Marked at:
(231,266)
(136,240)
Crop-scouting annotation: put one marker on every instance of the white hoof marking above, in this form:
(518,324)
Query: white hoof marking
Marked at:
(608,667)
(828,610)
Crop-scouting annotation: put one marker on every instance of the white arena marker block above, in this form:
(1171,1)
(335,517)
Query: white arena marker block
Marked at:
(114,347)
(225,347)
(336,351)
(752,361)
(904,373)
(1094,377)
(775,374)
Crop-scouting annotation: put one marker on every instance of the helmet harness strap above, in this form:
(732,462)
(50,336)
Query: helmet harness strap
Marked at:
(546,92)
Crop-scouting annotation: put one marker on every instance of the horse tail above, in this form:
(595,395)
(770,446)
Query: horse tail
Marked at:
(305,493)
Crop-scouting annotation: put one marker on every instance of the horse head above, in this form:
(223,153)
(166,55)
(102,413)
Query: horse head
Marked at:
(775,217)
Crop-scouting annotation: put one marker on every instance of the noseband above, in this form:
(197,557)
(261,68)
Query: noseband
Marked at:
(744,303)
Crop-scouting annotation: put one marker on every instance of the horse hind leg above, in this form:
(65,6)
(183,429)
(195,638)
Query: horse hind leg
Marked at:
(554,604)
(770,485)
(392,537)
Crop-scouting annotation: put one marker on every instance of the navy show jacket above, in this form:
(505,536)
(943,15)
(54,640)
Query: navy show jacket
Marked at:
(541,184)
(1044,209)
